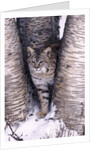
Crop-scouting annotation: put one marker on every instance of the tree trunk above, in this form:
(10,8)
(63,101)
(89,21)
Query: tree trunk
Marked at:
(15,82)
(39,33)
(69,91)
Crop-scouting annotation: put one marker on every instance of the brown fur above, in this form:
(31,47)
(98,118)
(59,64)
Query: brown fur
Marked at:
(42,70)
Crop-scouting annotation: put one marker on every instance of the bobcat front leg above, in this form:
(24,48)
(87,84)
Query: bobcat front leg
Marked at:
(44,104)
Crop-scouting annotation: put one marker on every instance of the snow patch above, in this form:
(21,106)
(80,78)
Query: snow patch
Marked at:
(34,128)
(62,25)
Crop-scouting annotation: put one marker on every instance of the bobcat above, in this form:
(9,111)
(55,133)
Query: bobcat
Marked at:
(42,69)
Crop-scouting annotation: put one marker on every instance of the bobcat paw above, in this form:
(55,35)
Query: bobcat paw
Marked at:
(41,114)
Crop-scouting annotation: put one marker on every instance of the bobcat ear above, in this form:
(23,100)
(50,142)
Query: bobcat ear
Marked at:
(47,51)
(30,51)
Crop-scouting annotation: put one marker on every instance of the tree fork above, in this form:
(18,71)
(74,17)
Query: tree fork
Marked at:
(39,33)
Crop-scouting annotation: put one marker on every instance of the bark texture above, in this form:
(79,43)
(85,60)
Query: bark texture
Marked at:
(39,32)
(15,82)
(69,91)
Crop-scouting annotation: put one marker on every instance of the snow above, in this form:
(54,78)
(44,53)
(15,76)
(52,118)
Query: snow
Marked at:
(34,128)
(62,25)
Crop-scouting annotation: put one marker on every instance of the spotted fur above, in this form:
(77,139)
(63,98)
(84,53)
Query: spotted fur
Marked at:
(42,69)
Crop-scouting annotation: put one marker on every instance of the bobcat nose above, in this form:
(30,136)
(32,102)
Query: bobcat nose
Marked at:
(36,66)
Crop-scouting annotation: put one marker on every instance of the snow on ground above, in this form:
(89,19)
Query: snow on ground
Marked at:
(34,128)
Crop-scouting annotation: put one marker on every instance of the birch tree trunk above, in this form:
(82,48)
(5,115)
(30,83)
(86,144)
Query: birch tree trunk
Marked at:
(15,82)
(69,91)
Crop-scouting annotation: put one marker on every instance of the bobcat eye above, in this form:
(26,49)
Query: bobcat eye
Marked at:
(33,62)
(41,62)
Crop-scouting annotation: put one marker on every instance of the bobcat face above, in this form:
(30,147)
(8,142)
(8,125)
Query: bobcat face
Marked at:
(41,64)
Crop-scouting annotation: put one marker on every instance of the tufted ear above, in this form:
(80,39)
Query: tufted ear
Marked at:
(47,51)
(30,51)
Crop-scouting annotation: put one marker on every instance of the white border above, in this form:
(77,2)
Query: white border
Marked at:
(46,141)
